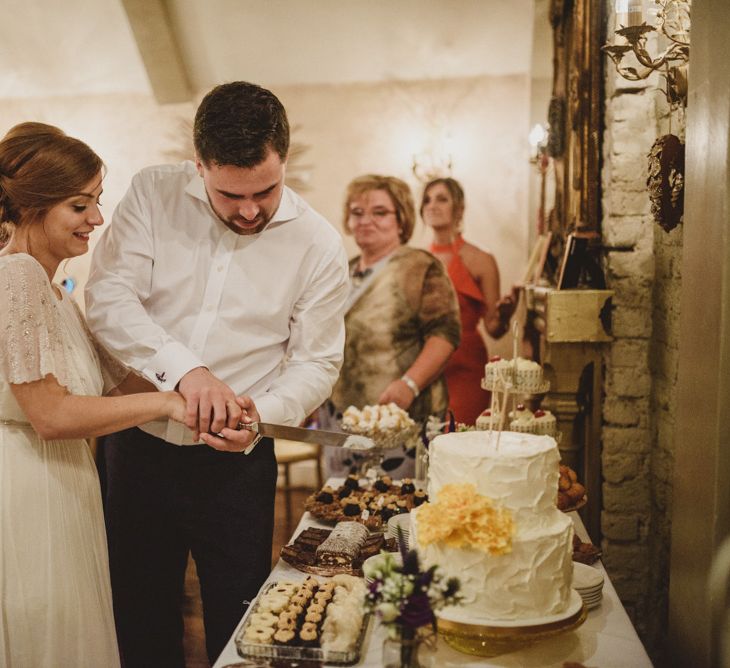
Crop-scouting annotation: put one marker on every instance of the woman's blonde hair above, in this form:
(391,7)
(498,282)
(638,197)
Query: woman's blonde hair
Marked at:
(399,193)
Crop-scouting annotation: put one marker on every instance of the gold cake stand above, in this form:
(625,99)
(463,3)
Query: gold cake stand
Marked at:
(502,637)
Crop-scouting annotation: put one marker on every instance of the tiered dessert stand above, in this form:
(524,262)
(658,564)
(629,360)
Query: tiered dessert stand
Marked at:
(373,458)
(508,384)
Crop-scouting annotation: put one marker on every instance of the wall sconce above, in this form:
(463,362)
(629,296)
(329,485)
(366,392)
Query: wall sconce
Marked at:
(428,165)
(538,139)
(673,18)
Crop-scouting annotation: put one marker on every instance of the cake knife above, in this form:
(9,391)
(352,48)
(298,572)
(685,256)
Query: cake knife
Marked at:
(336,438)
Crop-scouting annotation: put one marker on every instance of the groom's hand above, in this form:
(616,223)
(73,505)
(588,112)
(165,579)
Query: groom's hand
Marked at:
(210,403)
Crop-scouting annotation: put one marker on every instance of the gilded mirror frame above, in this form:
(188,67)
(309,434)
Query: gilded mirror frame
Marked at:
(576,121)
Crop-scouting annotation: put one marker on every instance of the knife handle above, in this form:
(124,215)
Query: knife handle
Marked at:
(248,426)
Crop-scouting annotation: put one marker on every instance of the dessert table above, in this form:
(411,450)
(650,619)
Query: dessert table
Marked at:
(606,639)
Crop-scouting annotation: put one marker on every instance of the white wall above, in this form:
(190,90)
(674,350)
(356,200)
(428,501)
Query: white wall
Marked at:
(350,130)
(128,131)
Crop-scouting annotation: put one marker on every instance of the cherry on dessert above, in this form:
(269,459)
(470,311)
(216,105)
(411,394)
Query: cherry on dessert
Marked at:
(495,358)
(539,413)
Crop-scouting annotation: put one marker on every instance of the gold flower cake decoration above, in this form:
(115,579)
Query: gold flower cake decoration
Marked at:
(460,517)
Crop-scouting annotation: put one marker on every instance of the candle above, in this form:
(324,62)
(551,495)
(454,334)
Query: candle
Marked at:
(636,12)
(622,13)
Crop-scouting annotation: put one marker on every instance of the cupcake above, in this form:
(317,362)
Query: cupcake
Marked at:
(351,509)
(525,424)
(352,482)
(488,419)
(545,422)
(383,484)
(386,512)
(326,495)
(497,371)
(520,412)
(419,497)
(528,375)
(407,486)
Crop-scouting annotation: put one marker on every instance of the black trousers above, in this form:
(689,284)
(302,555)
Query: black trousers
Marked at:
(165,501)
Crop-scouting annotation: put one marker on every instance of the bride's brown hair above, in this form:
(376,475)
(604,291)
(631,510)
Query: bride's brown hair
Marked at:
(41,166)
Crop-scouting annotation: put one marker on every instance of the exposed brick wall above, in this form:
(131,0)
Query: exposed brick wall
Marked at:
(642,266)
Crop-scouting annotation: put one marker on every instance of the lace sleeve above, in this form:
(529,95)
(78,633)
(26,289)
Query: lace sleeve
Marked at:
(113,372)
(31,342)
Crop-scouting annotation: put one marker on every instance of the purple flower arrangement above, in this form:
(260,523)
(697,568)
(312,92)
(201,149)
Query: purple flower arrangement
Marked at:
(403,596)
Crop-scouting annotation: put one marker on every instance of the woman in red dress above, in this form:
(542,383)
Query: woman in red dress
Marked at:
(475,276)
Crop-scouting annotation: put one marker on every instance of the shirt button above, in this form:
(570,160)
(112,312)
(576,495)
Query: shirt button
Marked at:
(209,308)
(219,267)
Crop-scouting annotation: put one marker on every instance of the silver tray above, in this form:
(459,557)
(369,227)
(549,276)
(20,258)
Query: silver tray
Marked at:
(249,650)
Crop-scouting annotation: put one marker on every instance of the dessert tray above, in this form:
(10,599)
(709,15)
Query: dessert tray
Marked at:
(301,553)
(585,553)
(479,638)
(296,651)
(575,506)
(386,424)
(390,438)
(381,499)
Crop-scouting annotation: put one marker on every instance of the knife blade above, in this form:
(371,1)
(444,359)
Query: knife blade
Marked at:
(333,438)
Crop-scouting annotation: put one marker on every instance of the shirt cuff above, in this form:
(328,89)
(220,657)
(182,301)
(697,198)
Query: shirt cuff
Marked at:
(271,409)
(169,365)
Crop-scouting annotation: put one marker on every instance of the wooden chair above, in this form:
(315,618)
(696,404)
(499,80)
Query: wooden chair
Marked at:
(292,452)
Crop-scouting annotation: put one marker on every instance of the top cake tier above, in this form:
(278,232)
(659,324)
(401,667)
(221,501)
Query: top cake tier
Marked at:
(521,473)
(519,375)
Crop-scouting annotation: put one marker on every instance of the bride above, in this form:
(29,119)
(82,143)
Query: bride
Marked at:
(55,596)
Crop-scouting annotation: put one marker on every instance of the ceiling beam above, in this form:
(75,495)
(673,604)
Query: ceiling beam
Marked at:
(159,49)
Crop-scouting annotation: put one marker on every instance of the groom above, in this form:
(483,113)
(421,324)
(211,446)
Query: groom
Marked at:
(216,279)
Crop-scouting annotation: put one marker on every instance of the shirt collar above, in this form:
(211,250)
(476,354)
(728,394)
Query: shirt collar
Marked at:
(290,205)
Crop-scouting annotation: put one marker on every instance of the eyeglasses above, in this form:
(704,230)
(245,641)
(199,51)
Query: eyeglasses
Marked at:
(375,214)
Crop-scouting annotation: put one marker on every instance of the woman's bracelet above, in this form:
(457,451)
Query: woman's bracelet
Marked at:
(412,386)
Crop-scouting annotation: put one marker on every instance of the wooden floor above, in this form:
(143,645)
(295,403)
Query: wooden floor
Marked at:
(195,656)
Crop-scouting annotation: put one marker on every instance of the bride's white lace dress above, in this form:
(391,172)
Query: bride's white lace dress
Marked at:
(55,595)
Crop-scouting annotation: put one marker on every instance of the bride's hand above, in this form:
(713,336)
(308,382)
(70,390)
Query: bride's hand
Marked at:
(176,408)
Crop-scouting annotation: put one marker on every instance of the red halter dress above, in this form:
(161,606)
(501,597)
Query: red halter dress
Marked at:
(465,370)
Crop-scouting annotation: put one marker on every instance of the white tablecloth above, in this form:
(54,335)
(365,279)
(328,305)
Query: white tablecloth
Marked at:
(606,639)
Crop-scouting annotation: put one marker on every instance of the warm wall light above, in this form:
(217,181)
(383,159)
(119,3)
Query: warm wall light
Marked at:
(673,24)
(429,165)
(538,139)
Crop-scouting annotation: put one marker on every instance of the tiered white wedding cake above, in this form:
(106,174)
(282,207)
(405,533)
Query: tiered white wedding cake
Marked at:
(493,523)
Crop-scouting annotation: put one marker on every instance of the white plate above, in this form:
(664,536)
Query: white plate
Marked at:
(597,587)
(586,577)
(403,521)
(592,597)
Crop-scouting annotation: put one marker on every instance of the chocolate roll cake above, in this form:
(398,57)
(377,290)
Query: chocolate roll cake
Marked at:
(343,545)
